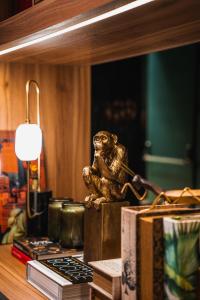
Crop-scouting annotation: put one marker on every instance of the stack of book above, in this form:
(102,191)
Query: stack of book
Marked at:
(106,279)
(160,252)
(39,248)
(60,278)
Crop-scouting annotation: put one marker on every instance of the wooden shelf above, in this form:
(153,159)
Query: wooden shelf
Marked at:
(44,16)
(155,26)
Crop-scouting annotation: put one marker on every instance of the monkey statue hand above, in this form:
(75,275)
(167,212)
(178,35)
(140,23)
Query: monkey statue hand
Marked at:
(98,153)
(89,200)
(137,181)
(97,202)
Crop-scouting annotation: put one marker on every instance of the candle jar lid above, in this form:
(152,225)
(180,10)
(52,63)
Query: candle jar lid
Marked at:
(61,199)
(72,204)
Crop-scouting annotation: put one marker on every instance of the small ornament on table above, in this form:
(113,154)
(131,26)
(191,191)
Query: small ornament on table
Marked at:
(107,179)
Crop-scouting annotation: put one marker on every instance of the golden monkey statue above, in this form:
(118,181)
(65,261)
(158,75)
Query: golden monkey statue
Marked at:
(105,178)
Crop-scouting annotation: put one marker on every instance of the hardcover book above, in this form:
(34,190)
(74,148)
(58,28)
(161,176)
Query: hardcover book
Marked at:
(42,248)
(97,293)
(152,258)
(20,255)
(181,257)
(60,278)
(131,277)
(107,277)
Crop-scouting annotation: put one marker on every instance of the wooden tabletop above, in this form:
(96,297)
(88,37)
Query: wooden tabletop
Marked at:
(13,282)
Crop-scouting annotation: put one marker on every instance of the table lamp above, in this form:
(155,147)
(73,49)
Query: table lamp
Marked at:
(28,145)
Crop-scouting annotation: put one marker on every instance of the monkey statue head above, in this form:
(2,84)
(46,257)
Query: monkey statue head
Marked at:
(104,141)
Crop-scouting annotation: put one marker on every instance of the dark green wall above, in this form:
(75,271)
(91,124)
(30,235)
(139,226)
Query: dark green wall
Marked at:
(171,106)
(164,90)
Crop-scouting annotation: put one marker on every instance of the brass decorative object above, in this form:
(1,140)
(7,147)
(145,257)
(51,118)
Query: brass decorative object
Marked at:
(28,143)
(106,179)
(37,185)
(186,196)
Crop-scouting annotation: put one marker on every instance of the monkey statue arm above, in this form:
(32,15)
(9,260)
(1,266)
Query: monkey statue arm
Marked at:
(112,171)
(121,156)
(94,167)
(104,169)
(139,182)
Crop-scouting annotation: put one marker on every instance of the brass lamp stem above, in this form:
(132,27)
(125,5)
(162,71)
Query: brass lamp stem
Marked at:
(28,210)
(28,84)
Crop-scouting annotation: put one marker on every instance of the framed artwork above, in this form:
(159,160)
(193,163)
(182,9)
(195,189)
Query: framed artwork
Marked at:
(13,185)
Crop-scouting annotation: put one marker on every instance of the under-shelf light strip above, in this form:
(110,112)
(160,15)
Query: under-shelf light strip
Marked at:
(85,23)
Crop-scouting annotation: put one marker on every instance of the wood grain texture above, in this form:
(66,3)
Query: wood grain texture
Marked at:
(155,26)
(65,118)
(44,15)
(13,278)
(102,228)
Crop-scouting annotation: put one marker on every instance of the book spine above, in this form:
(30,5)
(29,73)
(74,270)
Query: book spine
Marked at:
(23,249)
(158,259)
(116,288)
(129,255)
(146,259)
(20,255)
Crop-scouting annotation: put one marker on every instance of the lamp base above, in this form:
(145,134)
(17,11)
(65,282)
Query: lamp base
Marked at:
(38,226)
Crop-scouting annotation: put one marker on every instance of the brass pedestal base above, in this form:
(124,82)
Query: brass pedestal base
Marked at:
(102,232)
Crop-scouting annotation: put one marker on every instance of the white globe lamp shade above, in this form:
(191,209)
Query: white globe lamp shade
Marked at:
(28,141)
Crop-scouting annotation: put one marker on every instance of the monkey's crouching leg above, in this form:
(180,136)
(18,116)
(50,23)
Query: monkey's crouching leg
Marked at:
(111,190)
(105,187)
(92,182)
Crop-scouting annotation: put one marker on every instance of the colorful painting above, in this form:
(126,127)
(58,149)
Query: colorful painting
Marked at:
(13,187)
(182,257)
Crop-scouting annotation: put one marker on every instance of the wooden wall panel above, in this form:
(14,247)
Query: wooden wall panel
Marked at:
(65,118)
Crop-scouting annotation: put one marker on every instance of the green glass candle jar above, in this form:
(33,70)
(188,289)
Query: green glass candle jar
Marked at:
(72,223)
(54,217)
